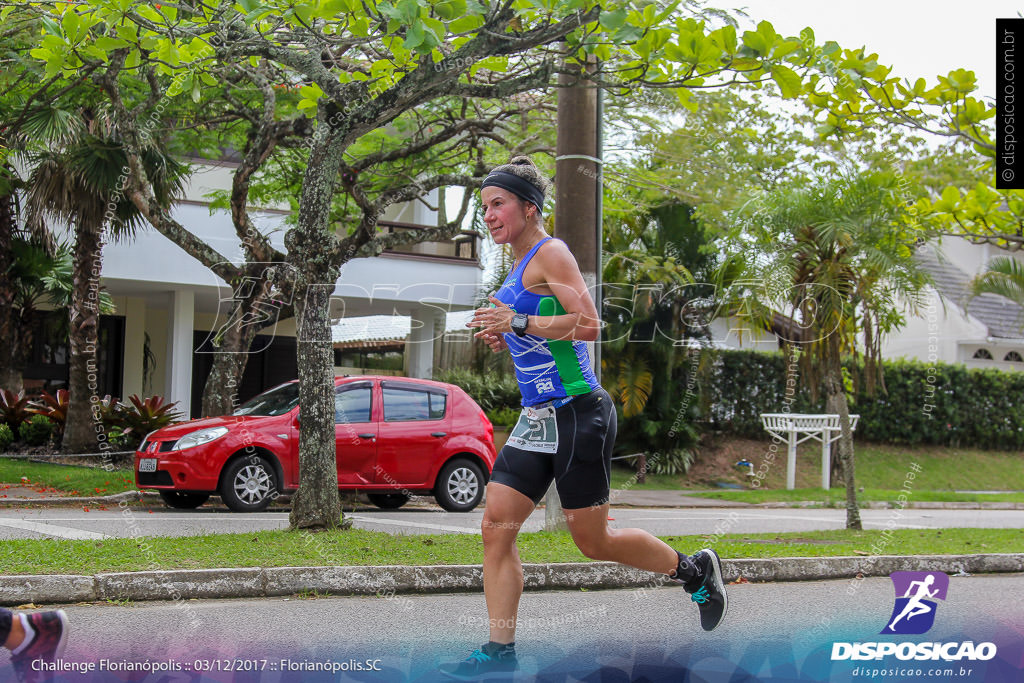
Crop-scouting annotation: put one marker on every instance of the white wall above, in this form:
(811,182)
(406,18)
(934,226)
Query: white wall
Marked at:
(934,334)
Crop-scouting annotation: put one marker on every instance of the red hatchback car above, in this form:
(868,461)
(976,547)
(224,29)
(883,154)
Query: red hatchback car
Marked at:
(394,437)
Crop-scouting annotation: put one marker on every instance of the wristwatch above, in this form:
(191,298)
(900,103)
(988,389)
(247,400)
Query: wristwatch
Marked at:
(519,322)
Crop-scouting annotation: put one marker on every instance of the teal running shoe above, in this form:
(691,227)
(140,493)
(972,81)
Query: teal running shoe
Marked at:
(705,586)
(492,661)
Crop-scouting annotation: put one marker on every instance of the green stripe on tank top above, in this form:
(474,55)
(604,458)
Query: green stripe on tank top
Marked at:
(566,361)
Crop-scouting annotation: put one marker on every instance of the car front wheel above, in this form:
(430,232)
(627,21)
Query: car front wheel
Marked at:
(249,484)
(184,501)
(460,486)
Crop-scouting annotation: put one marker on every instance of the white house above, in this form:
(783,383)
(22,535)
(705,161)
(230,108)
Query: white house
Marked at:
(168,303)
(983,332)
(950,327)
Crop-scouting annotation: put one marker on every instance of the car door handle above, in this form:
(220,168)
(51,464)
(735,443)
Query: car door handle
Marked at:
(367,436)
(439,433)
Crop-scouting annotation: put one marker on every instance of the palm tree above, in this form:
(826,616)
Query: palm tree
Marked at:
(78,182)
(837,258)
(657,298)
(1004,276)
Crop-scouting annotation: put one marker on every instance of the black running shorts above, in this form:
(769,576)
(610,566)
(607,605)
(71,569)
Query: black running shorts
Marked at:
(571,444)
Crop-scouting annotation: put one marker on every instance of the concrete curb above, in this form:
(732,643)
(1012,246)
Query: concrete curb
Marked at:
(78,500)
(259,582)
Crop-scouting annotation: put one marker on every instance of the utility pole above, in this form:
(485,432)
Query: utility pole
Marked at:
(578,193)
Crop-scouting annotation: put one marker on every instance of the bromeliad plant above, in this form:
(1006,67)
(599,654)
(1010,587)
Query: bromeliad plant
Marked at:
(54,407)
(146,415)
(14,409)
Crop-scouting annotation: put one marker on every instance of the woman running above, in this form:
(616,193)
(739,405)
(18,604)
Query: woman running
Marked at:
(544,315)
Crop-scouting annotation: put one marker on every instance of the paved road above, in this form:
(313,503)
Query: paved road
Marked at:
(776,631)
(161,521)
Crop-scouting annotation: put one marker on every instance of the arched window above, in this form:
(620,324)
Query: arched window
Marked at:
(1013,357)
(983,354)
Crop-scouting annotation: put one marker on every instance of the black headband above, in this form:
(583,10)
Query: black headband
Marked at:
(521,188)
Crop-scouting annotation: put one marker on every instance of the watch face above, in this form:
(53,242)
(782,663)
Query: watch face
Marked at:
(519,322)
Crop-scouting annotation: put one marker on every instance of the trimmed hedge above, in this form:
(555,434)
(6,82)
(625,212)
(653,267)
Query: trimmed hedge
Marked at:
(492,391)
(942,404)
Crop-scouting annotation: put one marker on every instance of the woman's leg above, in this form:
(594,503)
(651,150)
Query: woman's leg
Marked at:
(505,513)
(635,547)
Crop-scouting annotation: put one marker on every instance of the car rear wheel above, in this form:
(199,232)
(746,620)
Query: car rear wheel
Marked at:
(184,501)
(460,486)
(249,484)
(388,501)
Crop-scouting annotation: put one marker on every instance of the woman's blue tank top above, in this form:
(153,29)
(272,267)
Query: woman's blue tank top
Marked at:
(546,369)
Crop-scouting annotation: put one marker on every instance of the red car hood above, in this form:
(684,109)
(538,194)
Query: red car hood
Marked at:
(176,431)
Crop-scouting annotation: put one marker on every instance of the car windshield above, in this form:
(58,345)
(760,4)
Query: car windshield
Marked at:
(276,401)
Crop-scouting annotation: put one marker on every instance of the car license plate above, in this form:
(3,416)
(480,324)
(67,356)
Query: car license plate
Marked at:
(147,465)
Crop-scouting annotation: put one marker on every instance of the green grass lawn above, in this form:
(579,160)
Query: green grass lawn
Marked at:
(360,548)
(881,469)
(836,497)
(71,479)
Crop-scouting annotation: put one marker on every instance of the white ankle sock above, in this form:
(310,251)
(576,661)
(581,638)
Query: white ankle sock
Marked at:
(30,635)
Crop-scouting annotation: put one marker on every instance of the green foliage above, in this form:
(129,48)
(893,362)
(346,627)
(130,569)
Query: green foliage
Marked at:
(6,437)
(656,315)
(491,391)
(936,404)
(839,257)
(120,440)
(14,409)
(1004,276)
(111,412)
(737,386)
(43,276)
(146,415)
(674,461)
(854,93)
(503,417)
(38,431)
(53,407)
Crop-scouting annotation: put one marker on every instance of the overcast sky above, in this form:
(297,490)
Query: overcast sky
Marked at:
(917,38)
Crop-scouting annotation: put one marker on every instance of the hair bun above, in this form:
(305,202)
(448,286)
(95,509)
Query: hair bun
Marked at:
(522,161)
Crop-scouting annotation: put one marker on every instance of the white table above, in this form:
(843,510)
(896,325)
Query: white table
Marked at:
(788,427)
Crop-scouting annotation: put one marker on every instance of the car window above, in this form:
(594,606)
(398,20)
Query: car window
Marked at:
(407,403)
(352,404)
(276,401)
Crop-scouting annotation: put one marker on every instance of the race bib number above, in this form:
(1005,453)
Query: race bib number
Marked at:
(536,430)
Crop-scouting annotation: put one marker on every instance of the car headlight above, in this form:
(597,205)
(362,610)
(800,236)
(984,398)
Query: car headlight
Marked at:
(198,438)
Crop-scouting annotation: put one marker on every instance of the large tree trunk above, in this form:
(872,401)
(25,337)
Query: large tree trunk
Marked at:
(220,394)
(316,505)
(836,395)
(253,308)
(83,337)
(836,475)
(10,372)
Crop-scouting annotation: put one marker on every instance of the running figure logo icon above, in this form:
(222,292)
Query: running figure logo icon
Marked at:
(914,611)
